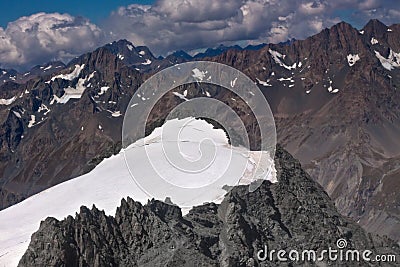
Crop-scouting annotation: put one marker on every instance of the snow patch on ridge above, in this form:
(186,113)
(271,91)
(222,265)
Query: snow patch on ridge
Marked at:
(198,74)
(121,57)
(70,76)
(352,59)
(180,96)
(393,61)
(44,108)
(116,114)
(17,114)
(331,89)
(263,82)
(148,62)
(31,123)
(7,102)
(290,79)
(278,59)
(71,92)
(103,90)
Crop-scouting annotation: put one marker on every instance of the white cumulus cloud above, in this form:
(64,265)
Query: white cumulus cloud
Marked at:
(43,37)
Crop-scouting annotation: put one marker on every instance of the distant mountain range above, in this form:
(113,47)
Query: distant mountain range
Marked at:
(335,97)
(139,57)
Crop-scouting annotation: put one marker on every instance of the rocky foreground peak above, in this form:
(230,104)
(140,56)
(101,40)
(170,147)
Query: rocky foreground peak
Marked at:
(294,213)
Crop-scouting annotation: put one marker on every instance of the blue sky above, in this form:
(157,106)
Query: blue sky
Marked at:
(92,9)
(38,31)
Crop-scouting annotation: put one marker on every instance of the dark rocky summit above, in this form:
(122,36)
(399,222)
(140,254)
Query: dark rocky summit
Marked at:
(294,213)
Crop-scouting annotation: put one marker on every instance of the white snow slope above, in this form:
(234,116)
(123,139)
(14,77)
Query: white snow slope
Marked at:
(108,183)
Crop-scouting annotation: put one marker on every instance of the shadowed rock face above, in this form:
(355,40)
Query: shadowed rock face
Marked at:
(294,213)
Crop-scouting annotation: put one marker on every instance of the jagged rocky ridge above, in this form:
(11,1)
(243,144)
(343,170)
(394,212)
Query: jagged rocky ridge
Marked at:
(347,139)
(294,213)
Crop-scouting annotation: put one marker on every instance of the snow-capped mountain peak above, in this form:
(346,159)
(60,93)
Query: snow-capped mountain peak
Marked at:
(111,181)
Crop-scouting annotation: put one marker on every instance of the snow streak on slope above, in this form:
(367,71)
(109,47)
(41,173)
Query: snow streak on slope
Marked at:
(7,101)
(278,57)
(70,76)
(110,181)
